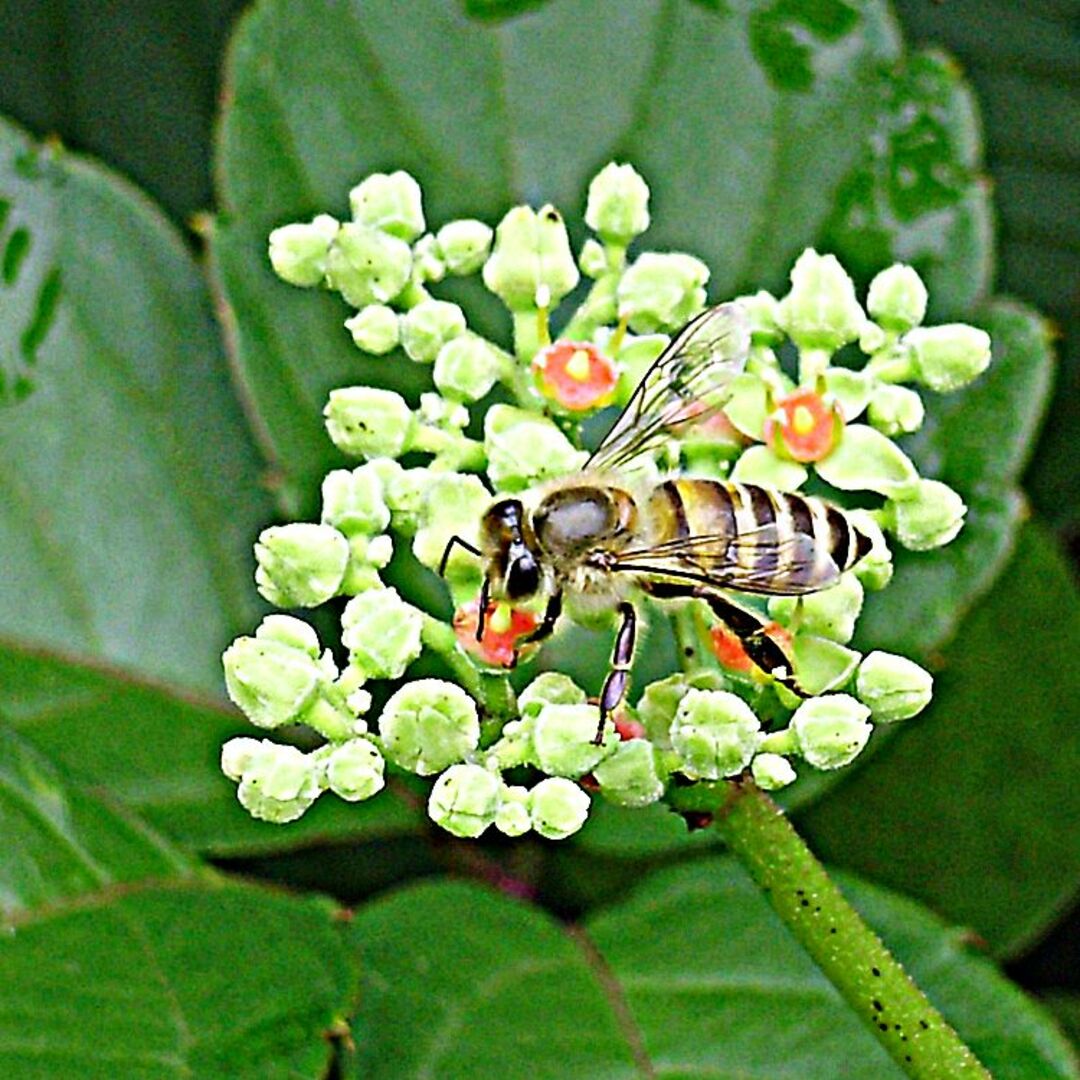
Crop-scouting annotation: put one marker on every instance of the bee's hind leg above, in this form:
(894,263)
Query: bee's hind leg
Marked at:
(618,678)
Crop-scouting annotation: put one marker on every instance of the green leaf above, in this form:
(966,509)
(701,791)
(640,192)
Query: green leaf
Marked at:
(60,841)
(692,975)
(157,751)
(978,441)
(745,161)
(173,981)
(129,493)
(984,783)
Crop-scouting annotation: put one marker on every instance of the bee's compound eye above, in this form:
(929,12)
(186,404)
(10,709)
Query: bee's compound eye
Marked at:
(522,576)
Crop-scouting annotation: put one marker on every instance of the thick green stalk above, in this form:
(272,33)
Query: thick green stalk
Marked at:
(850,954)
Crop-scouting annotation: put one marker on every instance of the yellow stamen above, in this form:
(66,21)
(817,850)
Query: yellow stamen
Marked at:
(802,420)
(501,618)
(578,366)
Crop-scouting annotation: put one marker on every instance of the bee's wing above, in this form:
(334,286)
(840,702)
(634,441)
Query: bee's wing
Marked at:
(688,381)
(762,560)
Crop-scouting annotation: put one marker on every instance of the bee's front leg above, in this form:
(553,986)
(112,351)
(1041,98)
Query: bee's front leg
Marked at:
(546,627)
(618,679)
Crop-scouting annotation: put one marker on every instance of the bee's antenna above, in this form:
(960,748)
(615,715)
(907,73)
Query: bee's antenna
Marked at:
(455,539)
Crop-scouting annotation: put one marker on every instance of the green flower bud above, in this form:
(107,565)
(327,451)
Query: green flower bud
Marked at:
(354,770)
(524,449)
(894,687)
(465,800)
(632,775)
(389,202)
(748,406)
(662,291)
(532,265)
(830,613)
(617,209)
(558,808)
(562,739)
(948,357)
(464,245)
(822,664)
(928,516)
(820,311)
(549,688)
(367,556)
(762,465)
(872,338)
(850,390)
(301,564)
(382,633)
(295,633)
(875,569)
(428,263)
(375,329)
(405,491)
(660,699)
(279,783)
(593,259)
(298,251)
(864,459)
(897,298)
(429,326)
(367,266)
(466,367)
(454,503)
(363,421)
(428,725)
(831,731)
(715,734)
(761,311)
(896,410)
(771,771)
(352,501)
(436,411)
(237,755)
(512,814)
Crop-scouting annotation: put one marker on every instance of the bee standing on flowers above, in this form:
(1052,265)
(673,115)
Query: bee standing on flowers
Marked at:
(600,538)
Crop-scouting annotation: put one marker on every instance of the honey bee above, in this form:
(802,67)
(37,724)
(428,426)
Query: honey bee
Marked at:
(602,538)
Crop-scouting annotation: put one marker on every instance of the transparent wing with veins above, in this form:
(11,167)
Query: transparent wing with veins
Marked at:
(690,380)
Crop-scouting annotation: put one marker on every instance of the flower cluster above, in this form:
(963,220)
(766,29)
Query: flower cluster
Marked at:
(790,411)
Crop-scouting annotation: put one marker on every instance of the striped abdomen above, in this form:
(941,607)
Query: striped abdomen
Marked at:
(747,537)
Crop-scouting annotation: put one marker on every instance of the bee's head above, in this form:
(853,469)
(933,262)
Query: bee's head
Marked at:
(513,567)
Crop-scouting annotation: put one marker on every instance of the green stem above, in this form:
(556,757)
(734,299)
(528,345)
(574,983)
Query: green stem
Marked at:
(850,954)
(457,450)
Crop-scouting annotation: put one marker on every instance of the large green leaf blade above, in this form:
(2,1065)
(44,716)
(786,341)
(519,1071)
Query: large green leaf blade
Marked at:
(157,751)
(129,494)
(693,974)
(174,981)
(970,805)
(60,842)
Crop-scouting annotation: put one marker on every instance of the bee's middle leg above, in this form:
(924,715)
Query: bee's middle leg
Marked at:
(618,678)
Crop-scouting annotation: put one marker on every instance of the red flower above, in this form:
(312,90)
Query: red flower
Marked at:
(629,729)
(576,374)
(731,652)
(804,427)
(504,626)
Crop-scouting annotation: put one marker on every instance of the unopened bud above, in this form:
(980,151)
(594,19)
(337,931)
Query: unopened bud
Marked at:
(465,800)
(367,266)
(831,731)
(391,203)
(618,204)
(549,688)
(631,775)
(531,259)
(298,251)
(593,259)
(715,733)
(364,421)
(374,329)
(300,564)
(466,367)
(928,516)
(558,808)
(660,699)
(512,814)
(428,326)
(354,770)
(894,687)
(352,501)
(562,739)
(761,309)
(428,725)
(278,782)
(897,298)
(896,410)
(771,771)
(464,245)
(453,505)
(662,291)
(820,311)
(382,633)
(428,263)
(524,449)
(948,357)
